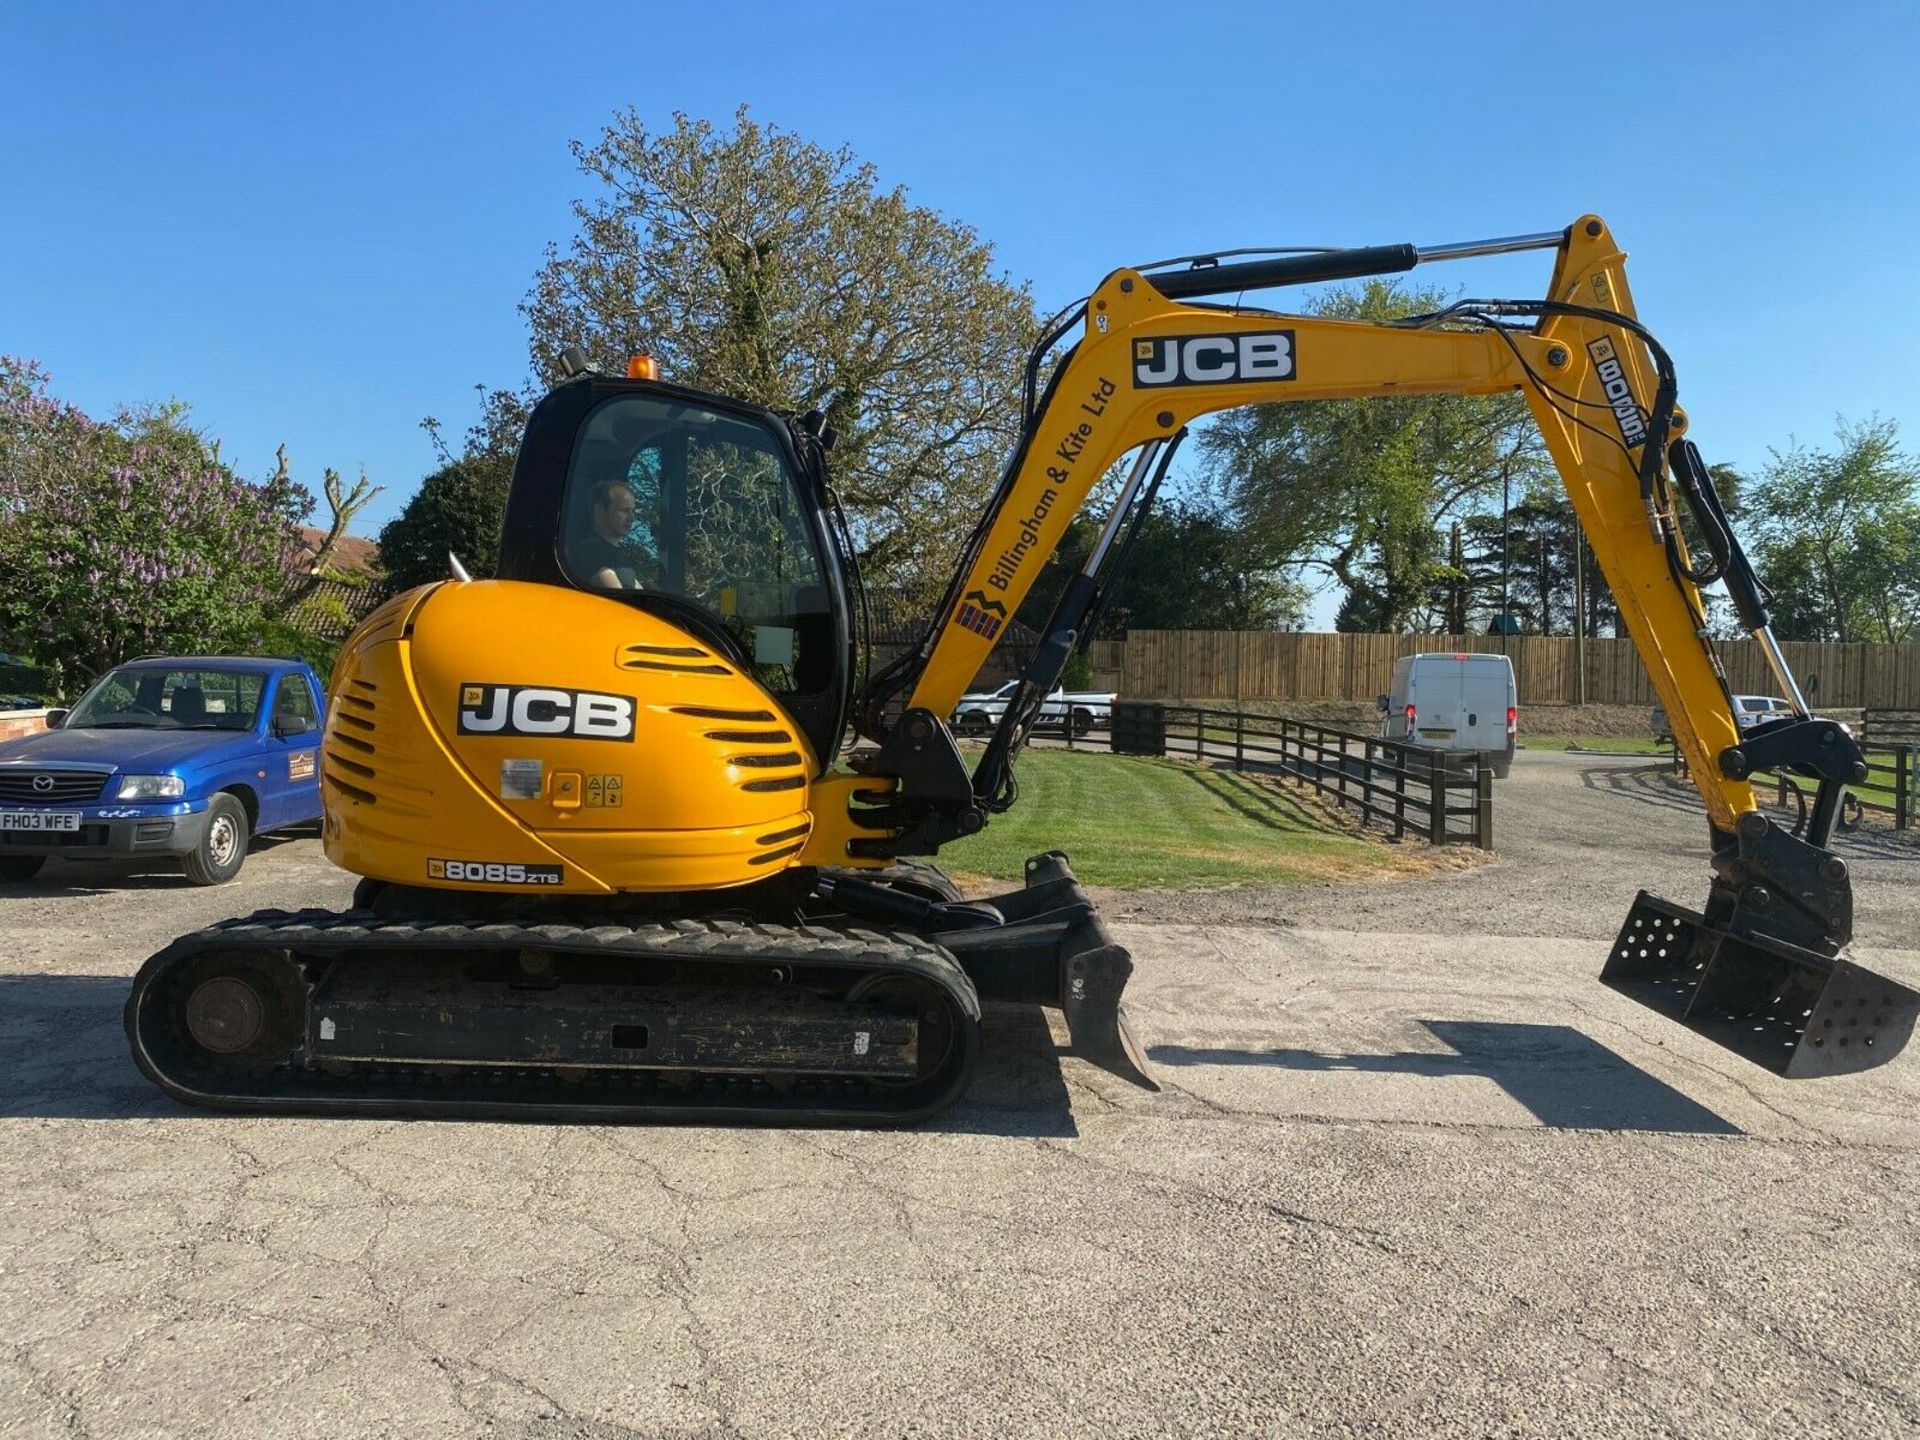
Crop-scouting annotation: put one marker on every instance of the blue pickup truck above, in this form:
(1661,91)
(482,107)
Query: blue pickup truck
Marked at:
(186,756)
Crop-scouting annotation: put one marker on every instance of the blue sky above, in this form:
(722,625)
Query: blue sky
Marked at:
(314,222)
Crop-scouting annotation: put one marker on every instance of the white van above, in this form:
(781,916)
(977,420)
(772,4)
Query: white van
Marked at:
(1457,703)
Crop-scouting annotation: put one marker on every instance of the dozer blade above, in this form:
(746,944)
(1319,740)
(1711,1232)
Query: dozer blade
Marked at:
(1796,1012)
(1096,1019)
(1052,948)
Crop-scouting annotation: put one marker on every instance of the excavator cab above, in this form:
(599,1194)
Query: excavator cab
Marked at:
(711,514)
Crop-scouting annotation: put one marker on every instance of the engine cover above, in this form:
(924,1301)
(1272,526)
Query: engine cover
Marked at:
(513,737)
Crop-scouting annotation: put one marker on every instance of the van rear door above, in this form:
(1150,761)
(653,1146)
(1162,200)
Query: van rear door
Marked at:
(1436,692)
(1483,703)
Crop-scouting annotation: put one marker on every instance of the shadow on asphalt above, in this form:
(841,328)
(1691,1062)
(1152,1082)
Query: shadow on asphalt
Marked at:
(1650,783)
(1565,1079)
(1017,1088)
(63,877)
(1656,784)
(63,1053)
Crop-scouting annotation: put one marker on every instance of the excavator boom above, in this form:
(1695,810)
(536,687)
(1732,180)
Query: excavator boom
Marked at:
(1757,971)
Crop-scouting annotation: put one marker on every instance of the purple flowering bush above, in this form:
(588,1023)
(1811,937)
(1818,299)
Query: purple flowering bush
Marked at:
(129,536)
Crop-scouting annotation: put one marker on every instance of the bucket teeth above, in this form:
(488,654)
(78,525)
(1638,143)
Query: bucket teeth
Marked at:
(1794,1011)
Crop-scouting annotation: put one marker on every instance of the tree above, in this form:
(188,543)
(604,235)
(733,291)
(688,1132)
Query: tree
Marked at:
(39,436)
(1839,536)
(1191,570)
(1534,547)
(130,536)
(1364,489)
(457,509)
(342,505)
(754,263)
(1187,571)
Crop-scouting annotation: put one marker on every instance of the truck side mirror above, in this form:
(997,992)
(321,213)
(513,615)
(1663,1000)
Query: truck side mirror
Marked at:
(287,725)
(56,718)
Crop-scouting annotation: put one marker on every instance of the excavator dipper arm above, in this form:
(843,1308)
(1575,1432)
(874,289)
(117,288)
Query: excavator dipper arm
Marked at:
(1758,970)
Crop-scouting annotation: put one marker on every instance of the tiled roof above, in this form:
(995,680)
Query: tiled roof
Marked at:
(353,555)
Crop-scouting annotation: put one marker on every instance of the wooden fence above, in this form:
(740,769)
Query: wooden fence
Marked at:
(1265,665)
(1010,657)
(1891,788)
(1446,799)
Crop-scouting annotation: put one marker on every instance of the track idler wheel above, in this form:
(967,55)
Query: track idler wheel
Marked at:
(226,1015)
(229,1013)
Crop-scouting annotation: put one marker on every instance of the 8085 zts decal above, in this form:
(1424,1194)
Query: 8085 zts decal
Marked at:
(496,872)
(1613,384)
(544,710)
(1212,359)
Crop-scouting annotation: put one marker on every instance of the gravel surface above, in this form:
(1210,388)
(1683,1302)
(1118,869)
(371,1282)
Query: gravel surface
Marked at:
(1413,1173)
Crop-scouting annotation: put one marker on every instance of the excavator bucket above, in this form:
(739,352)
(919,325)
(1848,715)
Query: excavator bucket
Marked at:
(1796,1012)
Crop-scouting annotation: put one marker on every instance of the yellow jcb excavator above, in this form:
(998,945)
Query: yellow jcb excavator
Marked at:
(620,861)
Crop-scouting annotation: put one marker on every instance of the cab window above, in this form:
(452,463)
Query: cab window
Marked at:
(294,700)
(154,697)
(676,499)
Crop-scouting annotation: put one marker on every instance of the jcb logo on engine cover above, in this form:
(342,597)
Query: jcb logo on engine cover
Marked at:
(545,710)
(1213,359)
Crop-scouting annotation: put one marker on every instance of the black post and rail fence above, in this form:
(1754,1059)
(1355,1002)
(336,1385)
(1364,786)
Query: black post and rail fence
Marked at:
(1440,797)
(1892,788)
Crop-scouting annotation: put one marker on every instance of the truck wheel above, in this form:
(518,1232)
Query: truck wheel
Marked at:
(19,868)
(223,848)
(1080,723)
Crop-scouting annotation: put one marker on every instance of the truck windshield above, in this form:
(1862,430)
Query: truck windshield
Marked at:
(152,697)
(680,500)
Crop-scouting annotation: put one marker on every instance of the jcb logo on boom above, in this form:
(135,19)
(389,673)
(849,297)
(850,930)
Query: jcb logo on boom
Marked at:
(545,710)
(1213,359)
(1613,384)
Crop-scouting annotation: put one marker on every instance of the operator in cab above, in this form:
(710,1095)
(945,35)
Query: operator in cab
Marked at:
(604,557)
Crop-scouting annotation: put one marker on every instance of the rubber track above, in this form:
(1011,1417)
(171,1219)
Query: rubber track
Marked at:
(514,1093)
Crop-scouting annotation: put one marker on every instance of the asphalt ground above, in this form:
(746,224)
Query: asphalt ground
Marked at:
(1413,1172)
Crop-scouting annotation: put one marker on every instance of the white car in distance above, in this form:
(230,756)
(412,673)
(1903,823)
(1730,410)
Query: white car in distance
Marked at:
(1077,712)
(1748,711)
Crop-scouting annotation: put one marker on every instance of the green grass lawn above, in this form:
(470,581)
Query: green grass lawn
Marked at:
(1134,823)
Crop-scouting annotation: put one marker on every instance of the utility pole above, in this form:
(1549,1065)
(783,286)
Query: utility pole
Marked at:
(1506,552)
(1546,595)
(1457,586)
(1579,613)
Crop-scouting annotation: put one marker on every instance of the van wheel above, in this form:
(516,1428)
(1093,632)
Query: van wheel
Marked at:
(223,848)
(1080,723)
(1501,767)
(17,869)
